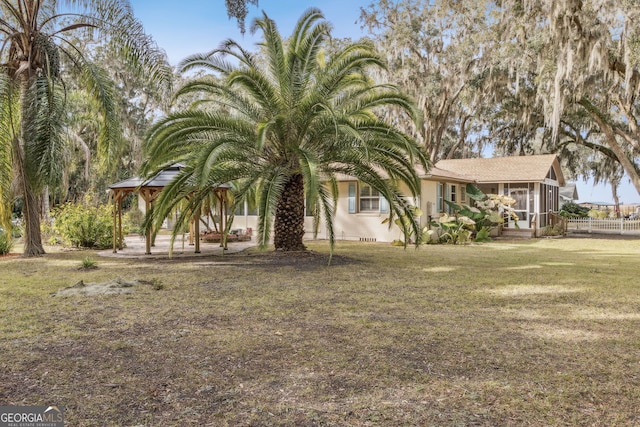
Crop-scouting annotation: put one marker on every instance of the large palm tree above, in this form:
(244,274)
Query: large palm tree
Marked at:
(284,125)
(35,35)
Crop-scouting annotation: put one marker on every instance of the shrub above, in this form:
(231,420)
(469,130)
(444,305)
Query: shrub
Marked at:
(18,229)
(84,225)
(483,235)
(133,221)
(598,214)
(573,210)
(88,263)
(454,230)
(6,243)
(551,231)
(467,221)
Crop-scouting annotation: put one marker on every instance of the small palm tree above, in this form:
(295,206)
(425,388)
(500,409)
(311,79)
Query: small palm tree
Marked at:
(34,38)
(284,125)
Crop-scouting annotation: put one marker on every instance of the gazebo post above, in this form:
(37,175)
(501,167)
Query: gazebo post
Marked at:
(120,245)
(223,225)
(147,207)
(113,194)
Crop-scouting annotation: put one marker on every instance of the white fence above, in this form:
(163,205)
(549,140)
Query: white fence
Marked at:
(609,225)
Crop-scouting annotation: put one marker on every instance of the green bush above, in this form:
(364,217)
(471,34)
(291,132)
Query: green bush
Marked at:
(574,210)
(133,221)
(88,263)
(18,229)
(84,225)
(6,243)
(598,214)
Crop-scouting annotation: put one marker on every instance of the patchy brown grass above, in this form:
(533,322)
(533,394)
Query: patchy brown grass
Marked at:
(536,333)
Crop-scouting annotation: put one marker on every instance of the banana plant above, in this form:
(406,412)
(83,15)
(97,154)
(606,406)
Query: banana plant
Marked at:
(453,229)
(408,233)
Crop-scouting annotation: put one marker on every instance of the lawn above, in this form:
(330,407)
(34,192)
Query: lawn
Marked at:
(511,333)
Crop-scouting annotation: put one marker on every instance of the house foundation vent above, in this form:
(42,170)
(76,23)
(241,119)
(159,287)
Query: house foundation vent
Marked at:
(367,239)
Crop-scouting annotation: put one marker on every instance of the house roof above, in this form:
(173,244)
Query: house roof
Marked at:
(569,192)
(503,169)
(436,172)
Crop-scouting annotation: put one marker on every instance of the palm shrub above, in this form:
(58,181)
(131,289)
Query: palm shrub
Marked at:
(282,126)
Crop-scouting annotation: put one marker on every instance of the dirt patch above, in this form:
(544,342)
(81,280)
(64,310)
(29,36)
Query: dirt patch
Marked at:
(112,287)
(303,260)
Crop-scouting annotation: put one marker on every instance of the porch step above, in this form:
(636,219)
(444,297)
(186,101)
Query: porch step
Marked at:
(517,233)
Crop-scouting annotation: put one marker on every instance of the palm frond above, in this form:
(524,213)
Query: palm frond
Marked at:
(44,147)
(8,105)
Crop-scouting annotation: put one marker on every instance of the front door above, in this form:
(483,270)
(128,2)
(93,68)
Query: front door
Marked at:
(521,208)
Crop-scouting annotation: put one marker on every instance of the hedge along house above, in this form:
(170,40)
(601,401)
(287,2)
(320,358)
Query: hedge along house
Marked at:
(533,181)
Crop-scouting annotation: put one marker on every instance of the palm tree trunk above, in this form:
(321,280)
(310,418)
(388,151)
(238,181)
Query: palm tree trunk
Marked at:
(31,207)
(289,220)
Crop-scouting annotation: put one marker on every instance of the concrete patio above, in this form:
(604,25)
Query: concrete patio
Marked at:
(135,248)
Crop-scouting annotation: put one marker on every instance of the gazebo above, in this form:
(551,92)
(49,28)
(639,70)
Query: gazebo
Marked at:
(149,190)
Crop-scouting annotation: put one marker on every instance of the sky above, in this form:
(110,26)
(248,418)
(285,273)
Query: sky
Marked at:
(186,27)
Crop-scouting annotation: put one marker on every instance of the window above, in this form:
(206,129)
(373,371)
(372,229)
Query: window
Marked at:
(247,208)
(308,208)
(252,207)
(369,199)
(452,194)
(364,198)
(440,197)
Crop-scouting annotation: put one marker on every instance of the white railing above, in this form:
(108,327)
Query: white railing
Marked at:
(609,225)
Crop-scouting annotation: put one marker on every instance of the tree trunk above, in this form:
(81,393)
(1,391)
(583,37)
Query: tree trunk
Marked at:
(289,220)
(31,216)
(31,206)
(616,199)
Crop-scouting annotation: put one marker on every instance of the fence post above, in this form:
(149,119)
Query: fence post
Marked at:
(622,225)
(589,228)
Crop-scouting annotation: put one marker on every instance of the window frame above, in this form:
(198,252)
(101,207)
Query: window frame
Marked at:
(355,197)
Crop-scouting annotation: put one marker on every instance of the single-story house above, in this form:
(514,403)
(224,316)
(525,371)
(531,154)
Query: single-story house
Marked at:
(533,181)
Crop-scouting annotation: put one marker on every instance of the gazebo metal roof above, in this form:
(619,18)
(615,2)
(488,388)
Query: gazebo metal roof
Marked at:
(161,180)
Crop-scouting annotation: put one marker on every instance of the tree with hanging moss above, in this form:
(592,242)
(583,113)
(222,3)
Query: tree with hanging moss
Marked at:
(524,76)
(284,125)
(238,9)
